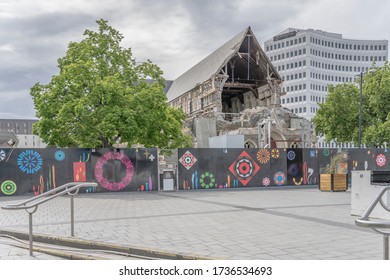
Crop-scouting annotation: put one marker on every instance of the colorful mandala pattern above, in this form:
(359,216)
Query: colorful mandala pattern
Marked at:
(291,155)
(266,181)
(326,152)
(207,180)
(293,170)
(187,160)
(275,153)
(114,186)
(59,155)
(381,160)
(263,156)
(8,187)
(279,178)
(30,161)
(244,168)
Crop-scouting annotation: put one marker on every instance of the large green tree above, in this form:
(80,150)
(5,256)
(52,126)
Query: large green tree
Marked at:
(338,117)
(376,89)
(101,96)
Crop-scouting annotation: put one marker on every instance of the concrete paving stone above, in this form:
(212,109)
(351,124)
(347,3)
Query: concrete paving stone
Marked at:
(291,224)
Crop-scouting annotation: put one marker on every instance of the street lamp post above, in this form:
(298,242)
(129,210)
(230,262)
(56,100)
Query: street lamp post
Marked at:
(360,110)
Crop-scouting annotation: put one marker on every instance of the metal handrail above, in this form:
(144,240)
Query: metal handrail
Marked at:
(379,226)
(71,189)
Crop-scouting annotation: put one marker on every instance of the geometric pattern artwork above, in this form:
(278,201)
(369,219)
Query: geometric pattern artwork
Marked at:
(279,178)
(266,181)
(8,187)
(244,168)
(207,180)
(342,168)
(79,172)
(293,170)
(112,156)
(263,156)
(381,160)
(275,153)
(291,155)
(30,161)
(59,155)
(326,152)
(2,155)
(187,160)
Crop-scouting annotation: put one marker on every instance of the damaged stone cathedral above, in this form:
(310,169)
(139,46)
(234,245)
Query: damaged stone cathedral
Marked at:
(236,91)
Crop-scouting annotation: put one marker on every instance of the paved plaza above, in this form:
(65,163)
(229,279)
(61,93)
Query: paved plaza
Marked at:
(271,224)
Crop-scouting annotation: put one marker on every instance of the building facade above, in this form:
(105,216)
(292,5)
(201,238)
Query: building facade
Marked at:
(237,90)
(22,128)
(310,60)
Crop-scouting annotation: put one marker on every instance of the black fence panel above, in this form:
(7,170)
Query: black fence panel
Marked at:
(235,168)
(26,171)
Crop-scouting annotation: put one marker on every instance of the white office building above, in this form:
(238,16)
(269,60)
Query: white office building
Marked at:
(310,60)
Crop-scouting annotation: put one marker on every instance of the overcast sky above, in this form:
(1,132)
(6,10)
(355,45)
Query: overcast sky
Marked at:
(173,34)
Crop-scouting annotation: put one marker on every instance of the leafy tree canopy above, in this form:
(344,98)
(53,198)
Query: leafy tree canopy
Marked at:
(338,117)
(101,96)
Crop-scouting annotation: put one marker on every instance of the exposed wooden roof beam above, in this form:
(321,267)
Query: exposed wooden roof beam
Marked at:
(250,87)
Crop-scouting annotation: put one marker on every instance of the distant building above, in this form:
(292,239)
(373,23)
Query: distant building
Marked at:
(310,60)
(237,90)
(22,128)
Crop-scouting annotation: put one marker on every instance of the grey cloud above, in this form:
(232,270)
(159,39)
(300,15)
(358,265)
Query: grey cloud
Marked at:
(18,105)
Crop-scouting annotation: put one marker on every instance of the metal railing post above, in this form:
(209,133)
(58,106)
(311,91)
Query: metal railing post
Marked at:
(30,233)
(385,247)
(71,216)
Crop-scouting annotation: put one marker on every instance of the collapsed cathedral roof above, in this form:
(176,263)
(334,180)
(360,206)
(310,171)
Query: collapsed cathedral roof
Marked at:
(242,56)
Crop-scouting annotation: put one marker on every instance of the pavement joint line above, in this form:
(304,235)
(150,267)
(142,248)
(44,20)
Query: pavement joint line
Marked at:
(261,208)
(126,218)
(98,245)
(271,211)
